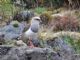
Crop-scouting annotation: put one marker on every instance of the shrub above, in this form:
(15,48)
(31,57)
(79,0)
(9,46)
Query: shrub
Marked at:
(66,23)
(46,17)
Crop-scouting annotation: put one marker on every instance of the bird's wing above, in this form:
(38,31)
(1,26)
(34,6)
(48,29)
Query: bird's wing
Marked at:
(26,28)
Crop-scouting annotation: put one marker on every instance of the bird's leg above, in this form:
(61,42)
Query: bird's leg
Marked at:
(31,45)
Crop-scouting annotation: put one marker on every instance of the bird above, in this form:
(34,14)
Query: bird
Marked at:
(32,33)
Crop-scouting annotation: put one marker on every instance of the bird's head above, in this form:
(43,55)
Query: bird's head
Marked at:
(36,19)
(35,24)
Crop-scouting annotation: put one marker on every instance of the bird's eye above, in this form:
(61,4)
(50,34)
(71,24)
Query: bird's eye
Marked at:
(38,19)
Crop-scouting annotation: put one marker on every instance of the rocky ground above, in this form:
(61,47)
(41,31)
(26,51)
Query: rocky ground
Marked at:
(52,45)
(61,51)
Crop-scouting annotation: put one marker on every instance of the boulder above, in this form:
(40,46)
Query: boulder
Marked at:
(26,53)
(23,16)
(10,32)
(4,49)
(23,52)
(63,49)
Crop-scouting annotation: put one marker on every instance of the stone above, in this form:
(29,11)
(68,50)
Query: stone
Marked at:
(26,53)
(23,52)
(63,49)
(24,16)
(10,32)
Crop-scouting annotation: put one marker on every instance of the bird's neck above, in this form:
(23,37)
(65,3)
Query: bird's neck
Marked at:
(34,27)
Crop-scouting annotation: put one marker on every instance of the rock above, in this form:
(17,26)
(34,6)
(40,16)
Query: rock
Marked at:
(4,50)
(27,14)
(63,49)
(25,53)
(23,16)
(76,57)
(20,43)
(10,32)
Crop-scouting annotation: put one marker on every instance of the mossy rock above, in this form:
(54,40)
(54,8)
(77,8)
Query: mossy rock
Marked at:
(15,24)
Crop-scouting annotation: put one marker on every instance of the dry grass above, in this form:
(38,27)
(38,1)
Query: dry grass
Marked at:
(65,22)
(49,35)
(46,17)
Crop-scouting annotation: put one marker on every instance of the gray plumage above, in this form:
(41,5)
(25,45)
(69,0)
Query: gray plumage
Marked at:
(32,32)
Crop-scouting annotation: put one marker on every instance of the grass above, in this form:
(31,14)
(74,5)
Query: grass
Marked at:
(39,10)
(75,44)
(70,38)
(6,6)
(9,9)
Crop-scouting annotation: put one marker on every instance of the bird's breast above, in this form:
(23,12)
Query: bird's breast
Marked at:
(30,34)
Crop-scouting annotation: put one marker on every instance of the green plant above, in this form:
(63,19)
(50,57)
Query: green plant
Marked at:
(7,9)
(39,10)
(15,24)
(75,44)
(6,6)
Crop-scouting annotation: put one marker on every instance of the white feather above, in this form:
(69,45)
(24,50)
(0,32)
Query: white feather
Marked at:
(35,24)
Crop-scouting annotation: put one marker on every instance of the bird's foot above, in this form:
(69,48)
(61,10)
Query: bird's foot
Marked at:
(31,45)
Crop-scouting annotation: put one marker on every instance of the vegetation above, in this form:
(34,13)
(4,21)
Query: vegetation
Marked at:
(39,10)
(66,23)
(46,17)
(15,24)
(45,9)
(75,44)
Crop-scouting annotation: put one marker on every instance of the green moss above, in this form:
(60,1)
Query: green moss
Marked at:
(15,23)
